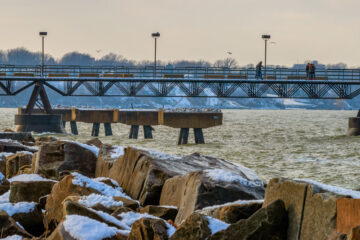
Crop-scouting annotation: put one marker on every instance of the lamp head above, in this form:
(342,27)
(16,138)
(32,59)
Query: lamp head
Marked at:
(266,37)
(155,35)
(43,34)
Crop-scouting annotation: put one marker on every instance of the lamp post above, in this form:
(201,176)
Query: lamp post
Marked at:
(42,35)
(266,38)
(155,36)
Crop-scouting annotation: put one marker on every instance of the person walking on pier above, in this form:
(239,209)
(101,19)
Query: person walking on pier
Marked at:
(258,73)
(308,71)
(312,71)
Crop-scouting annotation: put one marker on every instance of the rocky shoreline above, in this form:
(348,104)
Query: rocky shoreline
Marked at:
(57,189)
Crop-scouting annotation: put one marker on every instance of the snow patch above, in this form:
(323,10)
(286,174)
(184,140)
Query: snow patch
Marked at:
(20,207)
(117,152)
(216,225)
(13,237)
(221,175)
(160,155)
(333,189)
(92,148)
(5,197)
(84,228)
(2,178)
(100,179)
(30,178)
(232,203)
(93,199)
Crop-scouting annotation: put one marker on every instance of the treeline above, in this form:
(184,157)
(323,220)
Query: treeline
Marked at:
(22,56)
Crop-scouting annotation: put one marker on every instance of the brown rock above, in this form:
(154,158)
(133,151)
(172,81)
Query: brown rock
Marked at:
(132,204)
(14,146)
(269,223)
(3,165)
(354,234)
(142,173)
(29,191)
(8,130)
(32,221)
(4,187)
(231,213)
(148,229)
(17,136)
(44,139)
(15,162)
(104,162)
(120,210)
(95,142)
(166,213)
(197,190)
(56,157)
(8,227)
(195,227)
(348,214)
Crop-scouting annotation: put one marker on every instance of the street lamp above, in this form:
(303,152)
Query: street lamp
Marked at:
(155,36)
(42,35)
(266,38)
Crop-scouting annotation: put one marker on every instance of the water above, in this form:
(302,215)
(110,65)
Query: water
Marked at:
(275,143)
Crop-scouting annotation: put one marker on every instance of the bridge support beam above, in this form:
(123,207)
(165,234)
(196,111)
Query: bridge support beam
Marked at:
(183,136)
(354,125)
(73,127)
(108,130)
(95,130)
(148,132)
(134,132)
(39,123)
(199,136)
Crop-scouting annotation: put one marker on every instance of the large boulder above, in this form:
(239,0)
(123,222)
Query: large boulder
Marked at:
(148,229)
(61,156)
(29,190)
(233,212)
(16,161)
(79,227)
(268,223)
(105,161)
(9,227)
(142,173)
(74,184)
(311,206)
(164,212)
(196,227)
(13,146)
(198,190)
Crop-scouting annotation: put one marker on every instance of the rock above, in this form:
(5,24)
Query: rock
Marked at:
(98,230)
(198,190)
(44,139)
(5,186)
(3,165)
(148,229)
(14,146)
(29,191)
(311,207)
(95,142)
(17,136)
(166,213)
(15,162)
(73,185)
(195,227)
(8,130)
(132,204)
(56,157)
(269,223)
(233,212)
(31,220)
(120,210)
(9,227)
(104,162)
(142,173)
(42,201)
(26,169)
(354,234)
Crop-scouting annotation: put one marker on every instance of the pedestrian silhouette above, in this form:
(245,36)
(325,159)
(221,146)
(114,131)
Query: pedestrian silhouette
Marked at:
(258,73)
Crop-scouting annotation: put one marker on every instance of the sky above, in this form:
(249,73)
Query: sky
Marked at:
(301,30)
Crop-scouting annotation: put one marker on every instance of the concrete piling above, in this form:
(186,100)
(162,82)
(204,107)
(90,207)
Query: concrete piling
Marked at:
(73,127)
(134,131)
(108,130)
(183,136)
(354,125)
(95,130)
(148,132)
(199,136)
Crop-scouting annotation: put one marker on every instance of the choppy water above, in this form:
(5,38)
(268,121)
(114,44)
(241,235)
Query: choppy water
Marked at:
(287,143)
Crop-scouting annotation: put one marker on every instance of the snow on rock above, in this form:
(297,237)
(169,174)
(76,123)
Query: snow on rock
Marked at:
(112,219)
(117,151)
(216,225)
(20,207)
(100,179)
(84,228)
(221,175)
(6,154)
(5,198)
(232,203)
(93,199)
(13,237)
(333,189)
(160,155)
(30,178)
(103,188)
(2,178)
(128,218)
(91,148)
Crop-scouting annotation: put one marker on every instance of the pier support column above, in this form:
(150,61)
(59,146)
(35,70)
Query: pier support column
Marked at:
(354,125)
(199,136)
(73,127)
(108,130)
(183,136)
(64,124)
(148,132)
(134,131)
(95,130)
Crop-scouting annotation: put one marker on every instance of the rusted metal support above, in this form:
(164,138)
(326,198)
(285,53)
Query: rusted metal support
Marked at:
(148,132)
(95,130)
(108,130)
(183,136)
(73,127)
(134,131)
(199,136)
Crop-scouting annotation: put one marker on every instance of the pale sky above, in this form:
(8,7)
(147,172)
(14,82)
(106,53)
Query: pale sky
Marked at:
(324,30)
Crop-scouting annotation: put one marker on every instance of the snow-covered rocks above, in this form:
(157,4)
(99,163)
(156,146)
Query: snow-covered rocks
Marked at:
(15,162)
